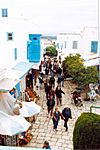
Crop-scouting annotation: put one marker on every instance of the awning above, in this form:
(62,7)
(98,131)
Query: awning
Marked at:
(14,74)
(23,66)
(7,84)
(92,62)
(12,125)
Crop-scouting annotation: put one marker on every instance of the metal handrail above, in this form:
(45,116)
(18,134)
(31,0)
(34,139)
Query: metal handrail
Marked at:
(93,107)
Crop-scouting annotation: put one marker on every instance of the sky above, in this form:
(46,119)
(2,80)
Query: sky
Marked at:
(53,16)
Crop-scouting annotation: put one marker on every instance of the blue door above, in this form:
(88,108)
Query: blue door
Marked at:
(34,48)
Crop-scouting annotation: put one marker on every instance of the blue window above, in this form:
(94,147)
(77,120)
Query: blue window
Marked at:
(61,46)
(57,45)
(65,44)
(9,36)
(94,46)
(15,53)
(4,12)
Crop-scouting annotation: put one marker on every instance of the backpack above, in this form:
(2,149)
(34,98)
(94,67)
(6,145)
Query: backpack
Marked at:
(66,113)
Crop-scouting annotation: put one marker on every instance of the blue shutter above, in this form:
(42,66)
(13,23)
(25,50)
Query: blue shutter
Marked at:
(94,46)
(15,53)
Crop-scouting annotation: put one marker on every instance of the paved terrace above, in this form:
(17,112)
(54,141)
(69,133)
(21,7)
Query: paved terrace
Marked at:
(43,127)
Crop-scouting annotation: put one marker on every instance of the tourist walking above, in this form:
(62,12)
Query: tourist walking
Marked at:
(50,105)
(59,94)
(66,114)
(59,80)
(56,118)
(59,71)
(62,80)
(55,67)
(52,81)
(47,68)
(51,101)
(47,87)
(40,77)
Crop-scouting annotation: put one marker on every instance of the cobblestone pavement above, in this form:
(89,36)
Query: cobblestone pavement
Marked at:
(43,127)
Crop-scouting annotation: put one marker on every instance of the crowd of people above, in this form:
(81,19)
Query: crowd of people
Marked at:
(52,77)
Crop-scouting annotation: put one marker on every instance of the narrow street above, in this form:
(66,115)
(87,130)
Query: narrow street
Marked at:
(43,127)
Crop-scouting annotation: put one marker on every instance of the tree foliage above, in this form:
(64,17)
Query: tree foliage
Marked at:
(86,134)
(74,65)
(51,50)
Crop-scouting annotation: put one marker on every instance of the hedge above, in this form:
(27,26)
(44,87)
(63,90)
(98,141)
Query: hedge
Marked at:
(86,134)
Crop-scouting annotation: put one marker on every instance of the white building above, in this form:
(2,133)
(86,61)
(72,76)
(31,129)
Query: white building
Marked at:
(15,28)
(14,34)
(84,42)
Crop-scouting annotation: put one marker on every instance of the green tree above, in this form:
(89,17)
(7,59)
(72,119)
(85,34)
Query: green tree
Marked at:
(90,75)
(74,65)
(51,50)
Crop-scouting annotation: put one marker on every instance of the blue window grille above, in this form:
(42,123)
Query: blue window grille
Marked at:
(9,36)
(94,46)
(4,12)
(15,53)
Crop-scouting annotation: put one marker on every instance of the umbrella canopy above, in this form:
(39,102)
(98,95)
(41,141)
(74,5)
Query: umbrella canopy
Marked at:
(7,103)
(29,109)
(12,125)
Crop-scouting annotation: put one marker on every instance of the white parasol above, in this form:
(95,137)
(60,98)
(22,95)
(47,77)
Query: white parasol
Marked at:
(29,109)
(12,125)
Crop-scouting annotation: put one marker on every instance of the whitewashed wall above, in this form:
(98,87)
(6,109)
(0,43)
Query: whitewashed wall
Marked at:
(87,35)
(68,38)
(20,38)
(83,38)
(21,27)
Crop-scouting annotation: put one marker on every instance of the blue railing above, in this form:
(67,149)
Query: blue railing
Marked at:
(98,107)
